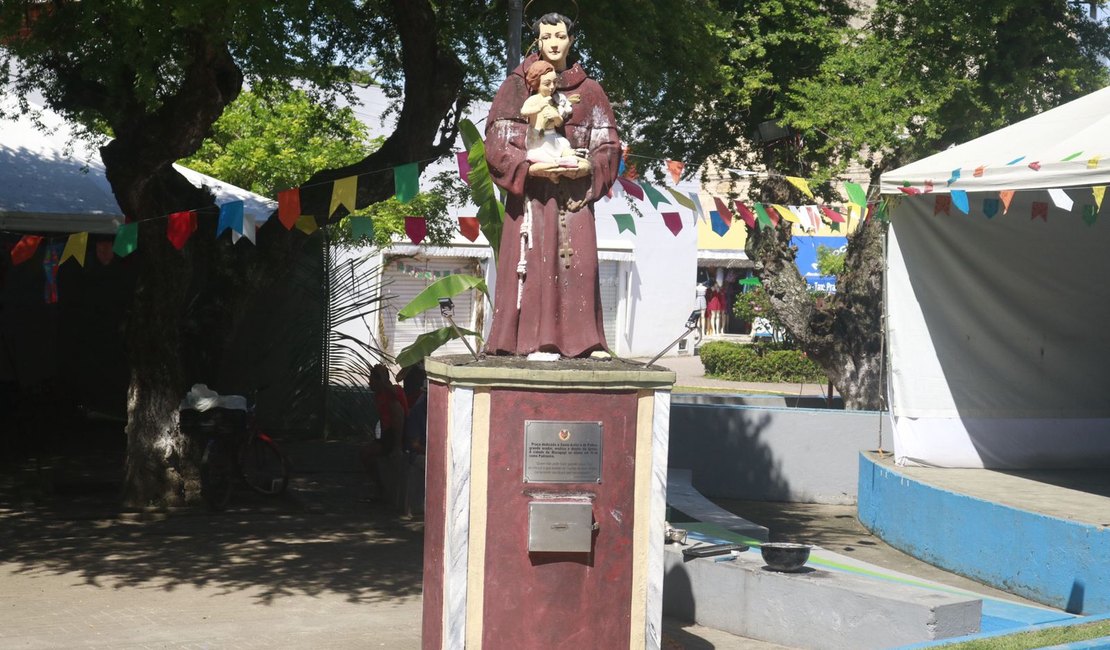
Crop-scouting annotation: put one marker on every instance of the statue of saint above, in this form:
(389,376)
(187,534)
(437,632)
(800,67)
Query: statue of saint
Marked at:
(553,145)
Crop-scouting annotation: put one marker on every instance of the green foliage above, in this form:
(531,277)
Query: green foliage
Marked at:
(753,304)
(830,261)
(491,212)
(447,287)
(429,342)
(772,362)
(270,143)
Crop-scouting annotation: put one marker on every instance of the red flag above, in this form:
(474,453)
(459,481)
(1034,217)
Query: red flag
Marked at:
(416,228)
(180,227)
(289,207)
(675,167)
(928,186)
(943,204)
(832,215)
(632,188)
(25,249)
(104,252)
(1040,209)
(722,209)
(744,213)
(469,227)
(979,171)
(673,222)
(909,190)
(463,158)
(1035,166)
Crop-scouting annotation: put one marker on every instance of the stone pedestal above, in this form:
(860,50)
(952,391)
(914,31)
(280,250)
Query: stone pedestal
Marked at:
(506,438)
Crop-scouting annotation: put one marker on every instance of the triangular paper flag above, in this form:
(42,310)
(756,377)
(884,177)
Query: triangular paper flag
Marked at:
(362,228)
(247,231)
(801,184)
(943,203)
(631,188)
(832,215)
(1039,209)
(928,186)
(469,227)
(104,252)
(231,216)
(127,239)
(76,245)
(814,216)
(682,199)
(744,213)
(406,181)
(179,227)
(722,211)
(1061,199)
(1073,156)
(654,195)
(698,210)
(763,216)
(25,249)
(463,157)
(959,199)
(954,177)
(856,194)
(289,207)
(416,228)
(784,213)
(1090,214)
(1006,196)
(343,192)
(909,190)
(799,215)
(673,222)
(978,173)
(1093,162)
(306,223)
(675,167)
(1015,161)
(990,207)
(1035,166)
(718,223)
(50,263)
(1098,191)
(625,222)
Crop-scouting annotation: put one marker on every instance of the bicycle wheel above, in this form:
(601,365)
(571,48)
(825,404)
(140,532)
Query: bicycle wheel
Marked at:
(217,475)
(264,466)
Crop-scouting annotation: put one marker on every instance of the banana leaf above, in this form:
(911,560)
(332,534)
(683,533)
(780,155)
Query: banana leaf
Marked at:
(427,343)
(447,287)
(491,212)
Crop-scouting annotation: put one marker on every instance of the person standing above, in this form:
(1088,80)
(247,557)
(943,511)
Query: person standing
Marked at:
(392,409)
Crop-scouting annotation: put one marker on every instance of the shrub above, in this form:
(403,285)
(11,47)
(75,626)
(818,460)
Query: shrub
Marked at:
(759,362)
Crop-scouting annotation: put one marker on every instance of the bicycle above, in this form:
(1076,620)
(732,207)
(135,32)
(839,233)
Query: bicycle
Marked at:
(236,450)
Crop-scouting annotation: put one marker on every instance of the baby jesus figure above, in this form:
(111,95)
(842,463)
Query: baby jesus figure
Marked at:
(546,110)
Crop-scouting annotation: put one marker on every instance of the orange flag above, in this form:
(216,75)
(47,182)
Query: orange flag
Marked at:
(289,207)
(1006,196)
(25,249)
(468,226)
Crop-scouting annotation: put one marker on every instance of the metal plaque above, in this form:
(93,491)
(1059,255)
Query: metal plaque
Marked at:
(562,452)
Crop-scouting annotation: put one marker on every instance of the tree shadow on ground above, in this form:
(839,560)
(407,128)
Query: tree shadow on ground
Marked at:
(61,515)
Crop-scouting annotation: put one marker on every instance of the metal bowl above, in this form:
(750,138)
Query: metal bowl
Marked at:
(785,556)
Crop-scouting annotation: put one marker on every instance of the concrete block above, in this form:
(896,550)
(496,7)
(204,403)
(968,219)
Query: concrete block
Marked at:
(815,608)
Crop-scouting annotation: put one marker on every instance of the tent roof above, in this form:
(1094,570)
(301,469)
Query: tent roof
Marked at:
(1081,126)
(52,182)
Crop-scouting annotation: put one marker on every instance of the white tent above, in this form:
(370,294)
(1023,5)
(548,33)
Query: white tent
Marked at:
(51,182)
(998,331)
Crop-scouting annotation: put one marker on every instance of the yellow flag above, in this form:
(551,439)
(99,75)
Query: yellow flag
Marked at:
(785,213)
(306,223)
(75,248)
(1093,162)
(343,193)
(1098,191)
(801,184)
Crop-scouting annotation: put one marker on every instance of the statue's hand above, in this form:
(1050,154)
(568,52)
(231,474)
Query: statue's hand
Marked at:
(544,170)
(584,168)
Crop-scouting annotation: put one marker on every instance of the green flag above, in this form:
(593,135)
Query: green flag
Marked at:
(1090,214)
(625,222)
(761,216)
(127,239)
(684,201)
(856,195)
(406,181)
(362,227)
(655,196)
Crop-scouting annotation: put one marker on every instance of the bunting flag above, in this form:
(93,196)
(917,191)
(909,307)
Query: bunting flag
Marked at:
(744,213)
(50,269)
(700,211)
(181,226)
(856,195)
(990,207)
(463,158)
(104,252)
(954,177)
(928,186)
(231,217)
(469,227)
(343,192)
(75,248)
(718,223)
(127,240)
(832,215)
(675,167)
(801,184)
(406,181)
(625,222)
(1061,199)
(247,231)
(722,211)
(1098,191)
(25,249)
(362,228)
(1006,196)
(1072,157)
(654,195)
(909,190)
(959,199)
(1093,162)
(978,173)
(943,203)
(289,207)
(1090,214)
(306,223)
(416,228)
(683,200)
(627,169)
(673,222)
(814,216)
(631,187)
(1035,166)
(1015,161)
(799,214)
(1039,209)
(764,217)
(785,213)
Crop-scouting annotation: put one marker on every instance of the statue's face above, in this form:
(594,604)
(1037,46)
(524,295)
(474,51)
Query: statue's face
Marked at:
(547,84)
(554,42)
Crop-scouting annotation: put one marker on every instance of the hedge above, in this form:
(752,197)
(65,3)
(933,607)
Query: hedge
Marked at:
(759,362)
